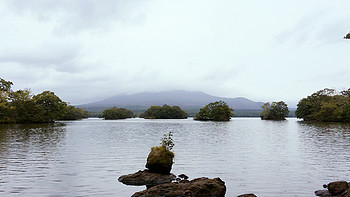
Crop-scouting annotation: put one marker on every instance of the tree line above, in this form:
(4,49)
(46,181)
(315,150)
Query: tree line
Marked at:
(22,106)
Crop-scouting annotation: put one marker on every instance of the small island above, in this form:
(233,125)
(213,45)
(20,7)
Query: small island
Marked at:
(216,111)
(116,113)
(164,112)
(274,111)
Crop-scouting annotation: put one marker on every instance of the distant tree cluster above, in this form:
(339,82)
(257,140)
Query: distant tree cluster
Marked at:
(74,113)
(274,111)
(164,112)
(216,111)
(115,113)
(22,106)
(326,106)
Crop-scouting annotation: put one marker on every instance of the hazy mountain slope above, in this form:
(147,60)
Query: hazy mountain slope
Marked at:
(183,99)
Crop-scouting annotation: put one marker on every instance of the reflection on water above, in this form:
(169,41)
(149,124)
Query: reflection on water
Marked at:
(25,154)
(85,158)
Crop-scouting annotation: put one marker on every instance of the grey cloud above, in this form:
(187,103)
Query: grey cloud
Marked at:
(80,14)
(62,57)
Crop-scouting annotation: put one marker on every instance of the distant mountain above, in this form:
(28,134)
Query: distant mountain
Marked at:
(184,99)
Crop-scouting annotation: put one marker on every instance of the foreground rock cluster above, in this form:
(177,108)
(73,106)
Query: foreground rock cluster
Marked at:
(196,187)
(160,182)
(335,189)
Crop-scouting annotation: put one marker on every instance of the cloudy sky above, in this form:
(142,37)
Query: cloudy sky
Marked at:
(88,50)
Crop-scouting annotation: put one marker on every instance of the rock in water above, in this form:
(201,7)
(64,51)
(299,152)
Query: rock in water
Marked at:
(146,177)
(323,193)
(247,195)
(160,160)
(337,187)
(196,188)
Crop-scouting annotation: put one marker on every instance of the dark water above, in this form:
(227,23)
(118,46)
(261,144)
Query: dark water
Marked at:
(85,158)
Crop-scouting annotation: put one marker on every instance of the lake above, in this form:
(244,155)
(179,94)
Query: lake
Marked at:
(85,158)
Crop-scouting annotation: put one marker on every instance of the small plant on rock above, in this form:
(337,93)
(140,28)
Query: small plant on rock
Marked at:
(167,141)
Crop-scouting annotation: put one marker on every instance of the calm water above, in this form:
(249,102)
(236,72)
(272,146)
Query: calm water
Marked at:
(85,158)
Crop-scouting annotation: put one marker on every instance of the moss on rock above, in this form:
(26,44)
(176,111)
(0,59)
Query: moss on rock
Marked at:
(160,160)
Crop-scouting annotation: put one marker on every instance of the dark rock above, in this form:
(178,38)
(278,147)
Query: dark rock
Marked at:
(323,193)
(183,176)
(160,160)
(146,177)
(337,187)
(196,188)
(247,195)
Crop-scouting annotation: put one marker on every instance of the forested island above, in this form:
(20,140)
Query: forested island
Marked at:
(22,106)
(216,111)
(325,106)
(116,113)
(274,111)
(164,112)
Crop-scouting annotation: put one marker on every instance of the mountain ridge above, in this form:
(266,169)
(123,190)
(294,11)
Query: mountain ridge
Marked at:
(184,99)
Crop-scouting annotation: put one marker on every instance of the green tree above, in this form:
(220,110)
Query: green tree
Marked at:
(164,112)
(115,113)
(74,113)
(325,106)
(53,107)
(216,111)
(274,111)
(6,110)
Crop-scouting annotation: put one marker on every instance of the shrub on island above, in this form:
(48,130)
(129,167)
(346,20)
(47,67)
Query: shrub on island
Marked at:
(115,113)
(164,112)
(217,111)
(274,111)
(325,106)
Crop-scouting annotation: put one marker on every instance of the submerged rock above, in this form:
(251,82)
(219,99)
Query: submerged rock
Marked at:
(196,188)
(247,195)
(160,160)
(145,177)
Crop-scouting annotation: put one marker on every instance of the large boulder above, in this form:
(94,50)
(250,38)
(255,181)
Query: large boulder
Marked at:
(160,160)
(337,187)
(196,188)
(145,177)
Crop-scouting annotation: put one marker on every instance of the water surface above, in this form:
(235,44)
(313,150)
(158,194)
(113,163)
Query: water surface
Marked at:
(85,158)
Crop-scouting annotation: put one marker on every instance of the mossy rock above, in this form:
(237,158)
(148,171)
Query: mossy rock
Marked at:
(160,160)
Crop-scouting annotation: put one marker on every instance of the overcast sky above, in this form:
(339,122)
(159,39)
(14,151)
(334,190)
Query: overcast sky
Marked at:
(88,50)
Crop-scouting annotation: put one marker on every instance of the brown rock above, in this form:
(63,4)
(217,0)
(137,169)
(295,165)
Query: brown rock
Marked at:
(337,187)
(196,188)
(146,177)
(160,160)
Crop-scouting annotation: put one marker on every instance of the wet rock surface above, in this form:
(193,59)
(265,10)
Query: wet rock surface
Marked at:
(146,177)
(335,189)
(195,188)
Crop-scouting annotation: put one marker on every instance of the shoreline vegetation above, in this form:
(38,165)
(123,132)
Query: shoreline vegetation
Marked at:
(22,106)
